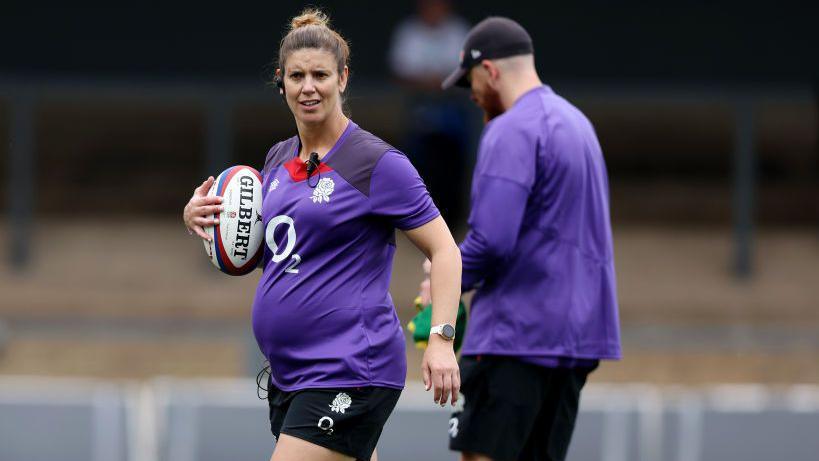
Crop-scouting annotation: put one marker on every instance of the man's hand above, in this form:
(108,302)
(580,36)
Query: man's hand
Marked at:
(440,370)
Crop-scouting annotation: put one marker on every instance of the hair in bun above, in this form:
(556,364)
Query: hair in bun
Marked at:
(311,29)
(309,17)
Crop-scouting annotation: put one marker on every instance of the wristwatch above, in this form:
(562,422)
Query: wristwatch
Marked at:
(444,330)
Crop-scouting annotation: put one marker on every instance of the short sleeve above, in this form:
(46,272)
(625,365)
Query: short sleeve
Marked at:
(508,152)
(398,193)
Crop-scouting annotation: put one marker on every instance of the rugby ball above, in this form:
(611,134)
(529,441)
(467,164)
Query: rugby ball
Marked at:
(236,247)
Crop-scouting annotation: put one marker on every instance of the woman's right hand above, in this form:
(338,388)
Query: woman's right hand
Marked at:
(200,209)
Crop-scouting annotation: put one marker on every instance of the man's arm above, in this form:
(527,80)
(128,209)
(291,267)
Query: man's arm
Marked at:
(497,212)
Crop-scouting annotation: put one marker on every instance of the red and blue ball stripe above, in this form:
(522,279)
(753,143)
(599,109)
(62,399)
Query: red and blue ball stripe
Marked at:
(225,264)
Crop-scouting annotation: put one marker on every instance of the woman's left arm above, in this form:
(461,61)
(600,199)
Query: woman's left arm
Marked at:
(439,366)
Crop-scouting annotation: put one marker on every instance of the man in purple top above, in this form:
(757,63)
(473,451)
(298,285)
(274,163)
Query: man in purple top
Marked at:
(538,253)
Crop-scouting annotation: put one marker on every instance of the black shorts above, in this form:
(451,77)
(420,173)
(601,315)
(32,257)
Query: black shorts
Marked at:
(346,420)
(514,410)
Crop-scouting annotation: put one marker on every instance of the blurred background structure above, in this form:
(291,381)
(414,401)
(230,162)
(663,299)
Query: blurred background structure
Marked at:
(116,333)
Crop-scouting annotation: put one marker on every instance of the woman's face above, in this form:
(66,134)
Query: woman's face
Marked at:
(312,85)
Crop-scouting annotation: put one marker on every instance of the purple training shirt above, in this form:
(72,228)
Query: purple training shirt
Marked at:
(323,315)
(539,248)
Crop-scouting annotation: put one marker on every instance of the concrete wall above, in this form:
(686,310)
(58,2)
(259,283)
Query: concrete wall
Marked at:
(187,420)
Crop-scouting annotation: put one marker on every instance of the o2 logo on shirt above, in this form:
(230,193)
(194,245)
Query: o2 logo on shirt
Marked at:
(269,237)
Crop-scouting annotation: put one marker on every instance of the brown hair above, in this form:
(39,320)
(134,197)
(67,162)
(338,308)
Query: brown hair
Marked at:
(311,29)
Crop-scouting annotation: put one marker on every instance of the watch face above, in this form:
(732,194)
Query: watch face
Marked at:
(448,331)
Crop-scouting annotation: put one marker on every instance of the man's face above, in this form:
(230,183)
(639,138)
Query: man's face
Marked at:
(483,94)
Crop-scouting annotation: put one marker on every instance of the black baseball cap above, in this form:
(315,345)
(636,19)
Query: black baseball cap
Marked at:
(493,38)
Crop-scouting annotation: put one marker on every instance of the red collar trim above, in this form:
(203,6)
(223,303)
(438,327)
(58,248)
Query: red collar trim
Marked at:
(298,169)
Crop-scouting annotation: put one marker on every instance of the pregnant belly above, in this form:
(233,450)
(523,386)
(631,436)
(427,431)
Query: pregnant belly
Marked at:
(311,343)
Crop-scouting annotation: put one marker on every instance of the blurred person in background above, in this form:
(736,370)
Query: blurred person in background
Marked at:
(538,253)
(422,53)
(326,324)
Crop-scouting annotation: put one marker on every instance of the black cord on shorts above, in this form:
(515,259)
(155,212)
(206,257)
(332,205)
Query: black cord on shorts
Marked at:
(259,377)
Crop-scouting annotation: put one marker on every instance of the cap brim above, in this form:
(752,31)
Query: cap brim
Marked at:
(456,78)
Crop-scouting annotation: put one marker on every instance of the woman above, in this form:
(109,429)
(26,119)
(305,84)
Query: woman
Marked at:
(322,315)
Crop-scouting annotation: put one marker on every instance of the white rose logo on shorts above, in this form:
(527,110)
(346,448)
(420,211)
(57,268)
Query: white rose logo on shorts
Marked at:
(323,190)
(341,403)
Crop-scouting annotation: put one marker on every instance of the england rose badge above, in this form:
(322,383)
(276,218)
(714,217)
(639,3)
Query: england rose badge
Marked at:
(323,190)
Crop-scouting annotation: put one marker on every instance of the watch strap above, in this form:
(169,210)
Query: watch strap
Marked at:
(439,330)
